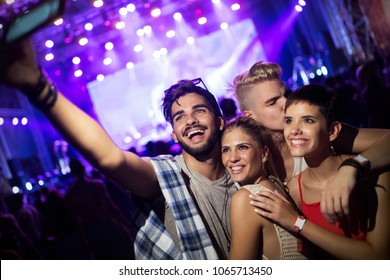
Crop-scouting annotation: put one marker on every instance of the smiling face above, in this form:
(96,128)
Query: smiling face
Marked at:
(195,126)
(242,156)
(267,106)
(306,131)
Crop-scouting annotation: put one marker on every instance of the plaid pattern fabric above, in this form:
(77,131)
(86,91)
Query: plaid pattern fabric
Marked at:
(153,241)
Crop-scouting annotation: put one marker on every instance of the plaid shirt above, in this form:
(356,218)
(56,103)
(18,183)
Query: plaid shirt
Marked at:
(152,240)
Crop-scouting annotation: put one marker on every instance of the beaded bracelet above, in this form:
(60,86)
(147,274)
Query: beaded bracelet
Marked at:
(351,162)
(33,94)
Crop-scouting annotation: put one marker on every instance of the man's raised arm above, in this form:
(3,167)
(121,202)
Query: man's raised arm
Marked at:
(18,68)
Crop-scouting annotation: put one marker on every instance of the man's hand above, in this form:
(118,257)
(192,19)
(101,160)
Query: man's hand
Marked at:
(335,197)
(18,67)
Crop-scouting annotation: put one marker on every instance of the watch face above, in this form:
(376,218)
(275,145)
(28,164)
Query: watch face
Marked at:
(362,160)
(299,223)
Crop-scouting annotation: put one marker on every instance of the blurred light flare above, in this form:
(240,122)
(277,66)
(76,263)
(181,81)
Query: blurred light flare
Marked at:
(155,12)
(49,44)
(76,60)
(49,57)
(202,20)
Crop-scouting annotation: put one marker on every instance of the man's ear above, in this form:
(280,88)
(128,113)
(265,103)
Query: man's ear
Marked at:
(247,113)
(221,123)
(334,131)
(174,137)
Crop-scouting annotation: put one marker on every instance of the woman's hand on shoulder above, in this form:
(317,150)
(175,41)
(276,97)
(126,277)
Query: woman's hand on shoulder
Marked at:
(274,206)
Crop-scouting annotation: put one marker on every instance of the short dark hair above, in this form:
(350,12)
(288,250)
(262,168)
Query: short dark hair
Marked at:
(182,88)
(323,97)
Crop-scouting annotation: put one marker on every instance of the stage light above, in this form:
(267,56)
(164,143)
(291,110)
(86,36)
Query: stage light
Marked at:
(147,29)
(28,186)
(76,60)
(140,32)
(98,3)
(107,61)
(59,21)
(163,51)
(298,8)
(138,48)
(302,3)
(15,189)
(177,16)
(83,41)
(1,121)
(49,57)
(100,77)
(190,40)
(78,73)
(120,25)
(49,44)
(216,1)
(202,20)
(129,65)
(130,8)
(170,34)
(235,7)
(155,12)
(324,70)
(88,26)
(123,11)
(24,121)
(127,140)
(137,135)
(109,46)
(224,25)
(156,54)
(15,121)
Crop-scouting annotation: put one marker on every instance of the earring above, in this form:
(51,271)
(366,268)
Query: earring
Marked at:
(332,148)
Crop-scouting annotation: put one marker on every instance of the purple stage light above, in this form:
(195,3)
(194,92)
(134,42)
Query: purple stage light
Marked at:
(109,46)
(155,12)
(88,26)
(298,8)
(49,57)
(49,44)
(202,20)
(76,60)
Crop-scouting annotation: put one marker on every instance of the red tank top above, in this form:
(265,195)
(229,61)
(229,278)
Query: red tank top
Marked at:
(313,213)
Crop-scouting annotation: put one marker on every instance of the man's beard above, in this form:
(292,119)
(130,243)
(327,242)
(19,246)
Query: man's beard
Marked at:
(204,150)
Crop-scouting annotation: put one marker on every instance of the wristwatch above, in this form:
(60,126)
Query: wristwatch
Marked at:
(299,223)
(363,161)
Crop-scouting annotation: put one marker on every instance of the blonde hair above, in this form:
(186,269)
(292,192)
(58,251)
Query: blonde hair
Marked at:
(259,72)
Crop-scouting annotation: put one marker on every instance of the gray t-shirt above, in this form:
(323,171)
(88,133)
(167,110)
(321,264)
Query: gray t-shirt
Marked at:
(213,201)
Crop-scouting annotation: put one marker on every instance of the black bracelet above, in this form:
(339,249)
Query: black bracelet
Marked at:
(48,101)
(351,162)
(34,94)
